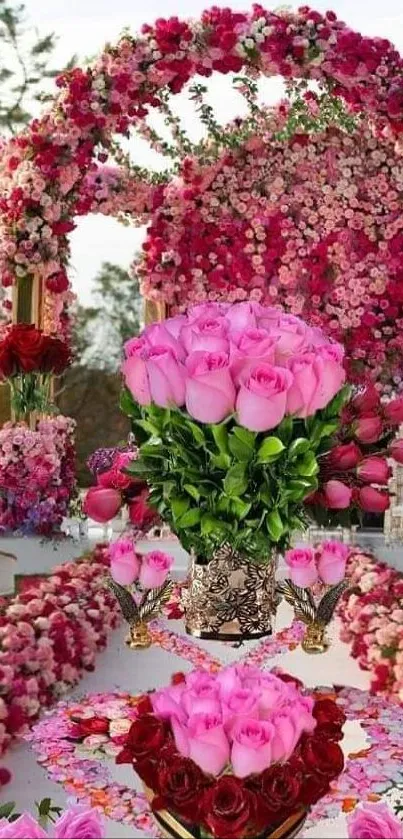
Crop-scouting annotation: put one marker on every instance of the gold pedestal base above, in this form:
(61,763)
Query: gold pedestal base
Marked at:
(139,637)
(315,640)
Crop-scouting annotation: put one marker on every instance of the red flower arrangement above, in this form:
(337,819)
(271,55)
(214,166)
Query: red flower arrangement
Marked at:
(28,358)
(115,488)
(231,802)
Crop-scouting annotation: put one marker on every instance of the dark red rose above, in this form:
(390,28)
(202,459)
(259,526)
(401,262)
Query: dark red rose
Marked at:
(321,757)
(228,808)
(286,677)
(280,788)
(144,706)
(27,346)
(178,678)
(313,788)
(7,365)
(180,786)
(327,711)
(55,357)
(146,737)
(93,725)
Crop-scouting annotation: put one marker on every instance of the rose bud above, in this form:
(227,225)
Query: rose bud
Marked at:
(102,504)
(337,496)
(396,451)
(368,429)
(394,411)
(373,500)
(345,456)
(366,400)
(374,470)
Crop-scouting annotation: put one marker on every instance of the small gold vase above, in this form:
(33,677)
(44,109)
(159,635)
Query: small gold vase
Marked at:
(315,640)
(139,637)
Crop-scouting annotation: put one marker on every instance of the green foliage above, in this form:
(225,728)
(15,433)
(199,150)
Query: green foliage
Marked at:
(24,66)
(217,484)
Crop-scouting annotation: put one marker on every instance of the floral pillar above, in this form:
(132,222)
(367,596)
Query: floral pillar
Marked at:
(27,308)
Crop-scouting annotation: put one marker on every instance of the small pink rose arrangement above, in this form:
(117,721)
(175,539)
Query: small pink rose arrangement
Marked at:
(77,822)
(325,563)
(128,567)
(374,821)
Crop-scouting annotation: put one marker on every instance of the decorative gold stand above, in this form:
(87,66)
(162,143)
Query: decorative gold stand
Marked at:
(139,637)
(315,640)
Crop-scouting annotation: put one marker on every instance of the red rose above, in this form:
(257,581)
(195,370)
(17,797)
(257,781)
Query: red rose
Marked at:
(330,718)
(178,678)
(144,705)
(27,345)
(313,788)
(7,366)
(321,757)
(146,737)
(228,808)
(180,785)
(280,788)
(93,725)
(56,355)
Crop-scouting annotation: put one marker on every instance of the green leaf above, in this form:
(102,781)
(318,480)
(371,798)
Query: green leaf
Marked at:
(209,524)
(197,433)
(193,491)
(127,404)
(190,518)
(6,809)
(221,461)
(179,505)
(274,525)
(247,437)
(44,807)
(240,508)
(285,430)
(307,466)
(298,447)
(270,450)
(167,488)
(220,435)
(236,482)
(240,450)
(152,449)
(334,407)
(147,426)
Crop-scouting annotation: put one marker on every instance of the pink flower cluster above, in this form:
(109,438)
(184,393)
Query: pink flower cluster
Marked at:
(43,170)
(240,716)
(37,475)
(48,636)
(312,225)
(75,823)
(148,570)
(374,821)
(247,358)
(326,563)
(372,616)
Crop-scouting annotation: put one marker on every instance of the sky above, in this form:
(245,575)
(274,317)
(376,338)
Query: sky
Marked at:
(83,27)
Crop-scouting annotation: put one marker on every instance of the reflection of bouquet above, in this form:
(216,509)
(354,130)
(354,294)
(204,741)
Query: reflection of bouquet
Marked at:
(28,358)
(115,488)
(235,753)
(232,405)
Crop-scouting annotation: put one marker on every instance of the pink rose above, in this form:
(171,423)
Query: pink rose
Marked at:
(206,310)
(209,334)
(208,743)
(272,693)
(210,391)
(374,470)
(250,347)
(303,395)
(262,397)
(242,702)
(301,710)
(134,346)
(373,500)
(268,317)
(332,562)
(337,495)
(291,335)
(158,335)
(166,705)
(80,822)
(166,377)
(287,732)
(332,375)
(201,695)
(368,429)
(155,567)
(394,411)
(242,316)
(251,747)
(301,562)
(374,821)
(134,372)
(174,325)
(102,504)
(125,564)
(25,826)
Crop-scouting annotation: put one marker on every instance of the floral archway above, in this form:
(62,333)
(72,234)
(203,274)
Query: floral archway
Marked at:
(56,170)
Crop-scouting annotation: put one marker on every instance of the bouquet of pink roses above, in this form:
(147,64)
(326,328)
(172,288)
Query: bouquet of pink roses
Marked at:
(232,406)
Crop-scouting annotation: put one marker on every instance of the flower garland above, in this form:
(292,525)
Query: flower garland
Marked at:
(372,616)
(37,476)
(49,635)
(43,170)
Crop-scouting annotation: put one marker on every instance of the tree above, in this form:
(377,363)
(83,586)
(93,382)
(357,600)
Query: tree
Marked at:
(100,330)
(24,66)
